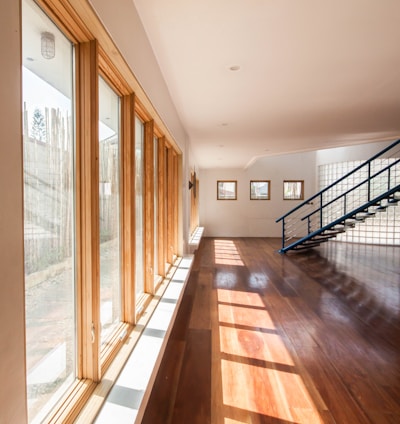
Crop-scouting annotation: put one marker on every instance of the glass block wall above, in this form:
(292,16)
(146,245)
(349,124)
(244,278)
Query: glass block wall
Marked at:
(384,227)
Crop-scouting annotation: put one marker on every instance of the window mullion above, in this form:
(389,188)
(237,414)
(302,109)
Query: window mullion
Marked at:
(162,178)
(88,212)
(171,199)
(149,206)
(128,208)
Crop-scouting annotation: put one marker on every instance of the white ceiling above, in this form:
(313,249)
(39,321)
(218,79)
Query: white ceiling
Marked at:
(313,73)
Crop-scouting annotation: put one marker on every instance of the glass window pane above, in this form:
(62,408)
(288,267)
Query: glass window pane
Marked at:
(109,201)
(155,163)
(226,190)
(259,190)
(139,220)
(293,190)
(48,145)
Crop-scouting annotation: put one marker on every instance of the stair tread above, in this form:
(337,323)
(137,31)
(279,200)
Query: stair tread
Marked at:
(338,230)
(368,210)
(307,246)
(323,236)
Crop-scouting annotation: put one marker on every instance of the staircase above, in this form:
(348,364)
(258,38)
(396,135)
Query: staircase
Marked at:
(368,189)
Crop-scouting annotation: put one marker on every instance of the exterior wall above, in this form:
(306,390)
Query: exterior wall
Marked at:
(12,312)
(253,218)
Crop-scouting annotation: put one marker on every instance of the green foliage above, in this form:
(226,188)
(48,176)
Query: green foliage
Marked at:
(39,126)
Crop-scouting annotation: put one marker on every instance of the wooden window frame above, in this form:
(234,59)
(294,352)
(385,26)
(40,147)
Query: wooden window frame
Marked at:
(157,278)
(301,194)
(128,209)
(170,206)
(162,206)
(143,300)
(268,197)
(96,54)
(149,206)
(111,348)
(219,194)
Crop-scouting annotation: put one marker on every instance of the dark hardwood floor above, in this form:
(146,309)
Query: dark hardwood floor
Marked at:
(260,337)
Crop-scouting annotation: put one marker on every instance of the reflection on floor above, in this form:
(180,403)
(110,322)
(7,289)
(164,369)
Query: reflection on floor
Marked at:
(260,337)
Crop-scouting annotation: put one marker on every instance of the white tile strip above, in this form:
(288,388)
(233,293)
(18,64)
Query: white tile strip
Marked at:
(126,397)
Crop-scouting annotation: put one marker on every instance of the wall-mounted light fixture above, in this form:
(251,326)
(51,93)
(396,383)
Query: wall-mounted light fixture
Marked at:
(48,45)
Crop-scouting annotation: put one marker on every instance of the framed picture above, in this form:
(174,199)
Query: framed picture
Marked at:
(226,190)
(293,190)
(260,189)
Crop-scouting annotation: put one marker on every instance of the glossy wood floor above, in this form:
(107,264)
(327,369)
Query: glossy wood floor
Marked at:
(260,337)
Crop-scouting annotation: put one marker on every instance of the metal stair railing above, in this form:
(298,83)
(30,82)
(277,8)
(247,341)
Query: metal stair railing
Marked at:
(366,185)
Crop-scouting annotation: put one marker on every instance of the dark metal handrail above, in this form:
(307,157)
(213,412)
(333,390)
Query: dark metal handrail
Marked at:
(367,180)
(340,179)
(342,196)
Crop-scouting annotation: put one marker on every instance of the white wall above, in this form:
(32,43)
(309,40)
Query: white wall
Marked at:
(253,218)
(12,312)
(352,153)
(125,28)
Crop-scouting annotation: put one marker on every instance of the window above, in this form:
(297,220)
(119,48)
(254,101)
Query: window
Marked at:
(155,215)
(293,190)
(162,206)
(109,205)
(85,208)
(171,205)
(49,228)
(226,190)
(139,215)
(260,190)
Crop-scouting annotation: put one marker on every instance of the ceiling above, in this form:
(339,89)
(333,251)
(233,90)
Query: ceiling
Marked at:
(312,74)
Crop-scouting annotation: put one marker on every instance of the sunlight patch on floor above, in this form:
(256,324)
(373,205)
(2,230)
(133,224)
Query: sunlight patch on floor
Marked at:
(251,344)
(226,253)
(240,298)
(270,392)
(245,316)
(254,355)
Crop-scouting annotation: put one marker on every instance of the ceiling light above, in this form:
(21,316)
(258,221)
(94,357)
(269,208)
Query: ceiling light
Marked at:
(47,45)
(234,67)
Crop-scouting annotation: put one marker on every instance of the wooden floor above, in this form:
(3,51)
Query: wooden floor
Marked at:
(262,337)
